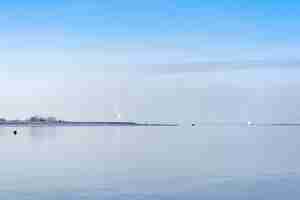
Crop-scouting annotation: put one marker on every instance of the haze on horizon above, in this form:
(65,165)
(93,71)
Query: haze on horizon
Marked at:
(151,61)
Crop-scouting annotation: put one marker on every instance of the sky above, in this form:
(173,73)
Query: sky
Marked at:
(182,60)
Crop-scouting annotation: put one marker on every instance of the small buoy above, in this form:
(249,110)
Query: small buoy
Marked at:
(15,132)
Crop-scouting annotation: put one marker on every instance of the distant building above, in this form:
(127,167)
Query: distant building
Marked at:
(51,119)
(42,119)
(34,119)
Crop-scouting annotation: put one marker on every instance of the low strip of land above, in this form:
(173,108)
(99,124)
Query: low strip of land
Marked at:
(72,123)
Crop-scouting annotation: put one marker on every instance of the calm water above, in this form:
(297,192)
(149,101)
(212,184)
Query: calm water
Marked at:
(150,163)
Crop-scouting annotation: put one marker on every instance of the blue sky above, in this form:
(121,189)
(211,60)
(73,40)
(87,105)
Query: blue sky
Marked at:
(53,50)
(136,32)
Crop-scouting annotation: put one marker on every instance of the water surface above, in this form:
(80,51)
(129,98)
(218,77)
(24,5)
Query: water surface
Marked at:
(150,163)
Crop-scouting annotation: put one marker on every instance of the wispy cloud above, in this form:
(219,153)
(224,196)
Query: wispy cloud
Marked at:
(217,66)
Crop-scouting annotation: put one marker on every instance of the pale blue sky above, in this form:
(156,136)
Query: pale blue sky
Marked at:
(95,33)
(90,53)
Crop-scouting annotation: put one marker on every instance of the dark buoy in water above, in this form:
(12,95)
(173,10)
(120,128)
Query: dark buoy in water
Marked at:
(193,124)
(15,132)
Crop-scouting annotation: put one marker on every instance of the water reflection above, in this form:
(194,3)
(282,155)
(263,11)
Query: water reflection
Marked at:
(42,133)
(2,130)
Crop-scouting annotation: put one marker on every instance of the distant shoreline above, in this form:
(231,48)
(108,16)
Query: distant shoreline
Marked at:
(71,123)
